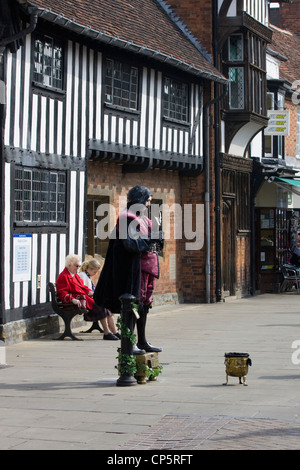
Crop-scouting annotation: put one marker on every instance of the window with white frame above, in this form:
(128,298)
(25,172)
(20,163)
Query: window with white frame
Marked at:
(40,195)
(274,145)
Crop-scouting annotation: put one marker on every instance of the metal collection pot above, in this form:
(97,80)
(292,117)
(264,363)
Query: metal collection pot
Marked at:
(237,366)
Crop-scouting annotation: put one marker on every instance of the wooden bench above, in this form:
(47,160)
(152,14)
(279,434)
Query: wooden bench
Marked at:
(66,311)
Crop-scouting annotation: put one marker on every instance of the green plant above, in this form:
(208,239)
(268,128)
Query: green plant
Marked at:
(126,362)
(125,331)
(150,373)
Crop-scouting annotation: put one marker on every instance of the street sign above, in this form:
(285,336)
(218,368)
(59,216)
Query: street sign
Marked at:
(279,122)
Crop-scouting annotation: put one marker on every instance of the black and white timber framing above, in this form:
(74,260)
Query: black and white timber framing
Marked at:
(60,130)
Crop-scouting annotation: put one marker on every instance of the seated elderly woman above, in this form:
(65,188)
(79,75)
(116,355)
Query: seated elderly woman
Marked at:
(71,288)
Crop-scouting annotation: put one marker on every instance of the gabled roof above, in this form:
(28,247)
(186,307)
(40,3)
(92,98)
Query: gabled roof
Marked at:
(140,26)
(287,44)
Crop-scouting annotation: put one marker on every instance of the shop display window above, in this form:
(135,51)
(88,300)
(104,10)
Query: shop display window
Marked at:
(275,237)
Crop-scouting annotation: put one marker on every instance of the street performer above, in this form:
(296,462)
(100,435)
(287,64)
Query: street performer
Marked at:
(131,263)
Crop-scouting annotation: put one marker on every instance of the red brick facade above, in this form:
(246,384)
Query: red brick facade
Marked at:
(290,17)
(182,272)
(198,17)
(290,140)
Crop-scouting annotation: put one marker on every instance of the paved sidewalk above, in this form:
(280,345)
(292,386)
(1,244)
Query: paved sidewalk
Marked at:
(63,394)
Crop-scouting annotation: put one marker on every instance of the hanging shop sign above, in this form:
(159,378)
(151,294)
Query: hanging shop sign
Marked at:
(279,122)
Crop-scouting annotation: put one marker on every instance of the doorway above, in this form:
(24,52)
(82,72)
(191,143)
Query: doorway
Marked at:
(228,247)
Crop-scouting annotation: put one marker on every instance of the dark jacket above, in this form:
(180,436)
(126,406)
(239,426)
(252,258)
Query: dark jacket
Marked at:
(121,273)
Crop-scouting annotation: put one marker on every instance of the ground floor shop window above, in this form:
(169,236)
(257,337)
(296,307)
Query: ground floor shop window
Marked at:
(278,231)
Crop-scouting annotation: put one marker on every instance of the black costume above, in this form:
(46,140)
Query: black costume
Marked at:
(122,270)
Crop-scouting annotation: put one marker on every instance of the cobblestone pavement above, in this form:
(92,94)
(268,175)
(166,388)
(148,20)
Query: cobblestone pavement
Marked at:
(174,432)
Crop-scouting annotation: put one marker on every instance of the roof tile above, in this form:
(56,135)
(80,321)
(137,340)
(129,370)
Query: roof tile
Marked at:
(139,22)
(288,45)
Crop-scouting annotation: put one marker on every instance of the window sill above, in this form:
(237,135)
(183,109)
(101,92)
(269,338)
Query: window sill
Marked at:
(47,90)
(122,109)
(177,122)
(40,224)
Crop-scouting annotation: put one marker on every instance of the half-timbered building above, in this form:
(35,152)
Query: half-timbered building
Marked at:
(241,34)
(100,96)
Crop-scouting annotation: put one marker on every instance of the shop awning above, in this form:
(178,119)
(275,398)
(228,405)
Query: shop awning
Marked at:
(294,184)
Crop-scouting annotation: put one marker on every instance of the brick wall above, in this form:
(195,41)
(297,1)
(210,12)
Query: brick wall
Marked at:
(193,263)
(197,15)
(289,15)
(291,139)
(243,266)
(182,270)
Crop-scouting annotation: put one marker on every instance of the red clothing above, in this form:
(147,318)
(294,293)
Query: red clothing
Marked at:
(69,287)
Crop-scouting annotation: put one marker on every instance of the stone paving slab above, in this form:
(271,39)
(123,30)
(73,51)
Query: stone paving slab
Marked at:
(175,432)
(62,394)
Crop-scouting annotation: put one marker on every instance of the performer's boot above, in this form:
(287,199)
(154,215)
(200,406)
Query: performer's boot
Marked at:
(141,331)
(135,350)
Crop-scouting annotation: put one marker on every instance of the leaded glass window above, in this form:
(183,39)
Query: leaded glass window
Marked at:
(236,47)
(236,96)
(175,100)
(40,195)
(121,84)
(48,62)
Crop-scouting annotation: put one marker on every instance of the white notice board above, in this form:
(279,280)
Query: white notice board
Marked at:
(22,257)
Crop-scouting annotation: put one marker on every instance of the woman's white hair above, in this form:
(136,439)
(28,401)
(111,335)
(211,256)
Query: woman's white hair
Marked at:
(70,259)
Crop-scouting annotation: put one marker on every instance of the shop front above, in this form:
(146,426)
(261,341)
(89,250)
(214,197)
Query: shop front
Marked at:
(277,229)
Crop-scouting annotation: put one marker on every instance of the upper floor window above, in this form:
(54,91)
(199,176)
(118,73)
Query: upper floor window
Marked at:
(121,84)
(236,51)
(175,100)
(244,63)
(48,62)
(274,145)
(236,72)
(236,88)
(39,195)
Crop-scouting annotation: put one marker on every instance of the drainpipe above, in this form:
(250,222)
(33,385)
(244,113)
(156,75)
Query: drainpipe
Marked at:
(206,125)
(33,22)
(218,290)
